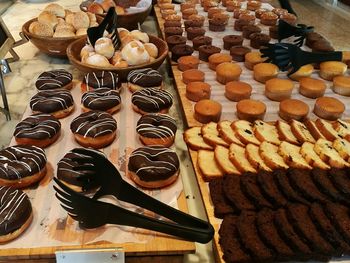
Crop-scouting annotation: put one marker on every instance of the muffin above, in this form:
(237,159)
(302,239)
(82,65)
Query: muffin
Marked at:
(172,31)
(238,12)
(206,51)
(217,24)
(187,62)
(232,40)
(207,110)
(258,40)
(180,50)
(214,10)
(268,19)
(193,23)
(237,90)
(170,23)
(198,90)
(291,109)
(265,71)
(259,12)
(312,88)
(278,89)
(192,75)
(302,72)
(331,69)
(238,53)
(188,12)
(227,71)
(250,110)
(175,40)
(193,32)
(341,85)
(329,108)
(201,41)
(273,32)
(250,29)
(217,59)
(252,58)
(289,18)
(253,5)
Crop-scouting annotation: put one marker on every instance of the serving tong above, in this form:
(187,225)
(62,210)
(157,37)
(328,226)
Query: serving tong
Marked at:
(286,30)
(289,57)
(109,23)
(98,170)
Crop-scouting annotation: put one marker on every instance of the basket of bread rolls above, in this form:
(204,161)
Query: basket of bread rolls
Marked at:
(137,50)
(130,12)
(55,28)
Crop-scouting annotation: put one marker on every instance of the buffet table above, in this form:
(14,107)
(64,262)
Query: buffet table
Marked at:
(20,87)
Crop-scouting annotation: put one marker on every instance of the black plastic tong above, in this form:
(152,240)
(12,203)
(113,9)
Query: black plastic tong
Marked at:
(289,57)
(92,213)
(286,30)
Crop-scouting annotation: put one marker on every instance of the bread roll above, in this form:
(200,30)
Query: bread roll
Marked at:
(40,29)
(141,36)
(98,60)
(134,53)
(151,49)
(64,32)
(95,8)
(106,4)
(70,18)
(64,26)
(81,20)
(81,32)
(48,18)
(55,9)
(104,47)
(86,50)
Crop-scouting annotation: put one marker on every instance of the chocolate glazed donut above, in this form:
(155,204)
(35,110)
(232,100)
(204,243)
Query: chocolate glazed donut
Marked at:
(101,79)
(15,213)
(22,165)
(144,78)
(94,129)
(38,129)
(59,103)
(151,100)
(153,166)
(103,99)
(54,79)
(156,129)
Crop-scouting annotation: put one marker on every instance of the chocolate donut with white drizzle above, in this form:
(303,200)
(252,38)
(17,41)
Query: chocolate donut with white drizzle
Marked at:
(39,129)
(153,166)
(151,100)
(94,129)
(103,99)
(156,129)
(67,174)
(54,79)
(15,213)
(100,79)
(144,78)
(58,103)
(22,165)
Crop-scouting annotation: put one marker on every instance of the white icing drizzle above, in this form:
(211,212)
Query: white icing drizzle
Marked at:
(159,98)
(52,80)
(42,129)
(10,202)
(60,97)
(104,121)
(153,131)
(103,94)
(20,156)
(137,74)
(156,164)
(100,79)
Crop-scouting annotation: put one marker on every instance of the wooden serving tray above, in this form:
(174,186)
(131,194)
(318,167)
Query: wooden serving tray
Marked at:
(217,89)
(162,248)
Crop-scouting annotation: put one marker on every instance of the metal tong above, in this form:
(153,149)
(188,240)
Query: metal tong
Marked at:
(91,213)
(109,23)
(286,30)
(289,57)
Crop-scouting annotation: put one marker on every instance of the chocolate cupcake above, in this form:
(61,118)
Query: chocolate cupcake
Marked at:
(175,40)
(206,51)
(232,40)
(193,32)
(172,31)
(238,53)
(193,23)
(257,40)
(169,23)
(201,41)
(273,32)
(250,29)
(217,24)
(180,50)
(239,24)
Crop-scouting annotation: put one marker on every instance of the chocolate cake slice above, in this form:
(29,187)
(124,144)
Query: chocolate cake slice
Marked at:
(339,215)
(286,189)
(269,235)
(270,190)
(324,184)
(327,230)
(301,181)
(230,244)
(292,239)
(341,180)
(250,239)
(220,202)
(252,191)
(233,192)
(298,216)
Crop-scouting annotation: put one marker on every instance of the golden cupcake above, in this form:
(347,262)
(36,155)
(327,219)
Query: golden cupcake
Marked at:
(265,71)
(304,71)
(292,109)
(278,89)
(237,90)
(341,85)
(329,108)
(331,69)
(312,88)
(227,71)
(253,58)
(250,110)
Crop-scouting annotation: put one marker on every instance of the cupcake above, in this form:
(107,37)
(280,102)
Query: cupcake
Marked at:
(180,50)
(201,41)
(206,51)
(232,40)
(193,32)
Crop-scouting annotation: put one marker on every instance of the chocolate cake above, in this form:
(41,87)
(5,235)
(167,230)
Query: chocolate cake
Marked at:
(270,190)
(220,202)
(284,186)
(251,190)
(269,235)
(301,182)
(327,229)
(298,216)
(246,226)
(234,194)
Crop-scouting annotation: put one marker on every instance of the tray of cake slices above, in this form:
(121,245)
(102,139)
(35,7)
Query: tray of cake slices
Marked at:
(273,170)
(97,112)
(247,86)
